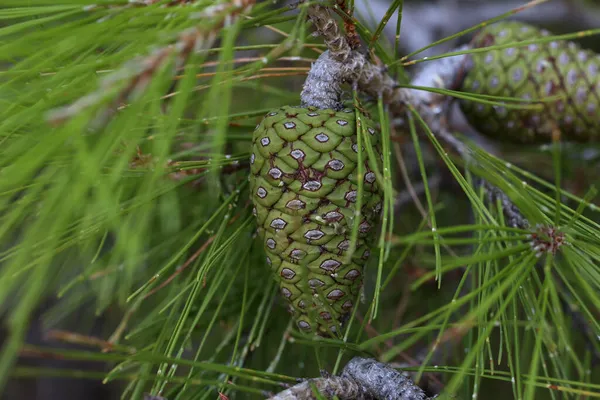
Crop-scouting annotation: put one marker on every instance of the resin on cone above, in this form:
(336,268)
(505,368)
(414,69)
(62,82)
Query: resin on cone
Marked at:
(554,69)
(304,186)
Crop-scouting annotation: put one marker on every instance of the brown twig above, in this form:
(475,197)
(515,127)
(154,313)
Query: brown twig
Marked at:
(76,338)
(346,12)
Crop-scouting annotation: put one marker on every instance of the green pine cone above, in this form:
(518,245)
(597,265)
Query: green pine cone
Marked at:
(535,71)
(303,183)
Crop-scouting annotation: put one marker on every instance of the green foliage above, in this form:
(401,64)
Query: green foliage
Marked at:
(144,212)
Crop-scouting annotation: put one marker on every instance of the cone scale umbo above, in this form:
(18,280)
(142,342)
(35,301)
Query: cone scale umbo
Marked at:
(560,73)
(304,187)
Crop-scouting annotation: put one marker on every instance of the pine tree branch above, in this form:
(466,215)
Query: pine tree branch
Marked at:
(361,379)
(382,381)
(342,63)
(513,216)
(328,387)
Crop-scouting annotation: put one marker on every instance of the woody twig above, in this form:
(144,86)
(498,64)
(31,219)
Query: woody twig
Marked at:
(361,379)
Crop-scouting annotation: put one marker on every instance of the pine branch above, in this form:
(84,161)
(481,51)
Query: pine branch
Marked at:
(330,387)
(346,64)
(512,214)
(382,381)
(361,379)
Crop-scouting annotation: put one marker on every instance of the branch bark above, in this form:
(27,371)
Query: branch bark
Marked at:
(361,379)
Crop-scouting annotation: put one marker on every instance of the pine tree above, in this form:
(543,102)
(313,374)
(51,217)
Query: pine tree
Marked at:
(127,130)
